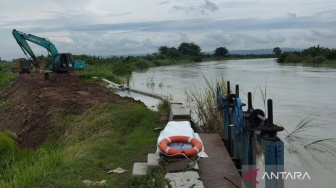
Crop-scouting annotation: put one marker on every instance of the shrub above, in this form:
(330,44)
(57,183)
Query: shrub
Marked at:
(292,58)
(283,57)
(307,59)
(157,63)
(319,59)
(197,59)
(141,64)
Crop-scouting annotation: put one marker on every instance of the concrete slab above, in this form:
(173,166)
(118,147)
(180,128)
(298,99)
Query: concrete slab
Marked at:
(153,161)
(218,169)
(139,170)
(184,179)
(176,164)
(150,94)
(178,113)
(175,102)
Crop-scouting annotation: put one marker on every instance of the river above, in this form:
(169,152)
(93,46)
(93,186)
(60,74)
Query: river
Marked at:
(298,92)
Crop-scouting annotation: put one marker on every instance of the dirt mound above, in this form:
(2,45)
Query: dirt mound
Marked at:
(30,99)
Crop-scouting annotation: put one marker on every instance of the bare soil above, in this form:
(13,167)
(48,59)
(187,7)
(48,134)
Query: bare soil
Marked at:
(30,100)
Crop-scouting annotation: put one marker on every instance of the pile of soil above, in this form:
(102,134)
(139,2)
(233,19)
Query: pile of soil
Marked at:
(30,100)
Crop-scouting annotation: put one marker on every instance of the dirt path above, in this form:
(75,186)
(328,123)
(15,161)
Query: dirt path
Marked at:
(30,99)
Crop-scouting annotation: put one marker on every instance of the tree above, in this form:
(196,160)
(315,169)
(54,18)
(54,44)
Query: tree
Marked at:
(277,51)
(169,52)
(163,50)
(173,53)
(189,49)
(221,51)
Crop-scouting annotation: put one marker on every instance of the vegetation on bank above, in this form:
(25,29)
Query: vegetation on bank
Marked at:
(202,103)
(83,147)
(119,68)
(314,55)
(5,74)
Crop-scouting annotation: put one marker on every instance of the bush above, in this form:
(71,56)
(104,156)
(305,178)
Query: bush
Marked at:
(319,59)
(292,58)
(307,59)
(197,59)
(283,57)
(122,69)
(141,64)
(157,63)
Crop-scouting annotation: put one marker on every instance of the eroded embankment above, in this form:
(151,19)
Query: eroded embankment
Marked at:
(29,102)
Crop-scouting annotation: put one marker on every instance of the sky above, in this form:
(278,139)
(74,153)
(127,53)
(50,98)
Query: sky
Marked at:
(128,27)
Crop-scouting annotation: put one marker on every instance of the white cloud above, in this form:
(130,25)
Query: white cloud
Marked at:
(196,7)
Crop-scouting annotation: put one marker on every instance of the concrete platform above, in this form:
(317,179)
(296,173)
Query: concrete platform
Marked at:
(218,169)
(178,113)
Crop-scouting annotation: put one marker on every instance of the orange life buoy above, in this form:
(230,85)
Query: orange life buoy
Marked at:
(197,146)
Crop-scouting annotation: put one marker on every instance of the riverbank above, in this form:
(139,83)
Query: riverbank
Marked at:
(86,135)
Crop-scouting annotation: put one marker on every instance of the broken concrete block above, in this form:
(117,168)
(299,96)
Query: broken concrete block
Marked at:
(184,179)
(176,164)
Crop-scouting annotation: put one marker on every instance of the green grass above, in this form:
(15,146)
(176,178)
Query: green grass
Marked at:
(154,180)
(81,146)
(99,71)
(203,103)
(5,79)
(5,74)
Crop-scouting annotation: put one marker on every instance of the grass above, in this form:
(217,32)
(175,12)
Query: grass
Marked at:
(154,180)
(203,103)
(99,71)
(81,146)
(6,76)
(164,105)
(301,126)
(5,79)
(323,145)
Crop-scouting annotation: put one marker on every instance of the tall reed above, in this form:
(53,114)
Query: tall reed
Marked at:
(203,105)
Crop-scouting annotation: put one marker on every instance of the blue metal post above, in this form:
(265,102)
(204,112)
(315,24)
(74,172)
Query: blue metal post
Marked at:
(270,162)
(280,161)
(243,129)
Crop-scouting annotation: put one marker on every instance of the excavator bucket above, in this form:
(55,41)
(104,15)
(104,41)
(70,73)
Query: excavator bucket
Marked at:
(40,63)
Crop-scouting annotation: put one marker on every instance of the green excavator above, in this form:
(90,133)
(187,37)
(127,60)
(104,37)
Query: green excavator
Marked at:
(59,62)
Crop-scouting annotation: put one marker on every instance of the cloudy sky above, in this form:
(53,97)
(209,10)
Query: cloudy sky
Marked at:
(119,27)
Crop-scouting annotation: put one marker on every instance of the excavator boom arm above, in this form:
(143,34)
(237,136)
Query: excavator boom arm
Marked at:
(22,38)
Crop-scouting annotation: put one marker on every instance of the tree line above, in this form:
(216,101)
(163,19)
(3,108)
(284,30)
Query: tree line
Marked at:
(187,50)
(314,55)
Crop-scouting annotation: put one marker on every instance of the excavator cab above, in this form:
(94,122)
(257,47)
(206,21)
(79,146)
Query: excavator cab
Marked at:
(63,63)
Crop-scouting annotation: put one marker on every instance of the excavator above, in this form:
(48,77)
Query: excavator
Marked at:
(59,62)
